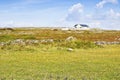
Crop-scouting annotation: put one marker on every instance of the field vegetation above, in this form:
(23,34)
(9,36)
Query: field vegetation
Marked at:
(45,54)
(58,34)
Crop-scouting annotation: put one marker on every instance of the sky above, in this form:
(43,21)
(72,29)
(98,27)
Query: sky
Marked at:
(104,14)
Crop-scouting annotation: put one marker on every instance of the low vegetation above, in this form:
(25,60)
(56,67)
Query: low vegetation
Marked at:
(40,34)
(43,54)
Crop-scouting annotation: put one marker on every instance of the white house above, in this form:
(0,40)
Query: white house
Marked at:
(81,27)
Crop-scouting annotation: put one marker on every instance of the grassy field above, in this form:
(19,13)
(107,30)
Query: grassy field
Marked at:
(58,34)
(51,62)
(37,63)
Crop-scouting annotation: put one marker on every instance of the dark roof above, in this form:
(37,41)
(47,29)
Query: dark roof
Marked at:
(83,25)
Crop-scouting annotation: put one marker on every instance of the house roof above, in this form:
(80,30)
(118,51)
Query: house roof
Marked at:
(82,25)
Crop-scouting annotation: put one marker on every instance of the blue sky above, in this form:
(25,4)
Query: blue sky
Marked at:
(103,14)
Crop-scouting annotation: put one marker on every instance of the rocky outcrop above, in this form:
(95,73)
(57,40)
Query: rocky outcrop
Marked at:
(71,38)
(106,43)
(26,42)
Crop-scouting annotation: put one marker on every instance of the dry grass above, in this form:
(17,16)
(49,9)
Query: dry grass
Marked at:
(59,35)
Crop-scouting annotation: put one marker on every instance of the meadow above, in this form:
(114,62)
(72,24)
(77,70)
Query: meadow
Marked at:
(54,61)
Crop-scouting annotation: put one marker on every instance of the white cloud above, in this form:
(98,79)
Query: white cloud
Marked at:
(103,2)
(95,23)
(74,13)
(76,8)
(110,19)
(111,14)
(105,20)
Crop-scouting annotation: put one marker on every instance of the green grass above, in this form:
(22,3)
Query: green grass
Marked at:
(4,38)
(52,63)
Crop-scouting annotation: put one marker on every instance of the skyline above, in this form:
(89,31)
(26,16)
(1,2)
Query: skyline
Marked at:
(103,14)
